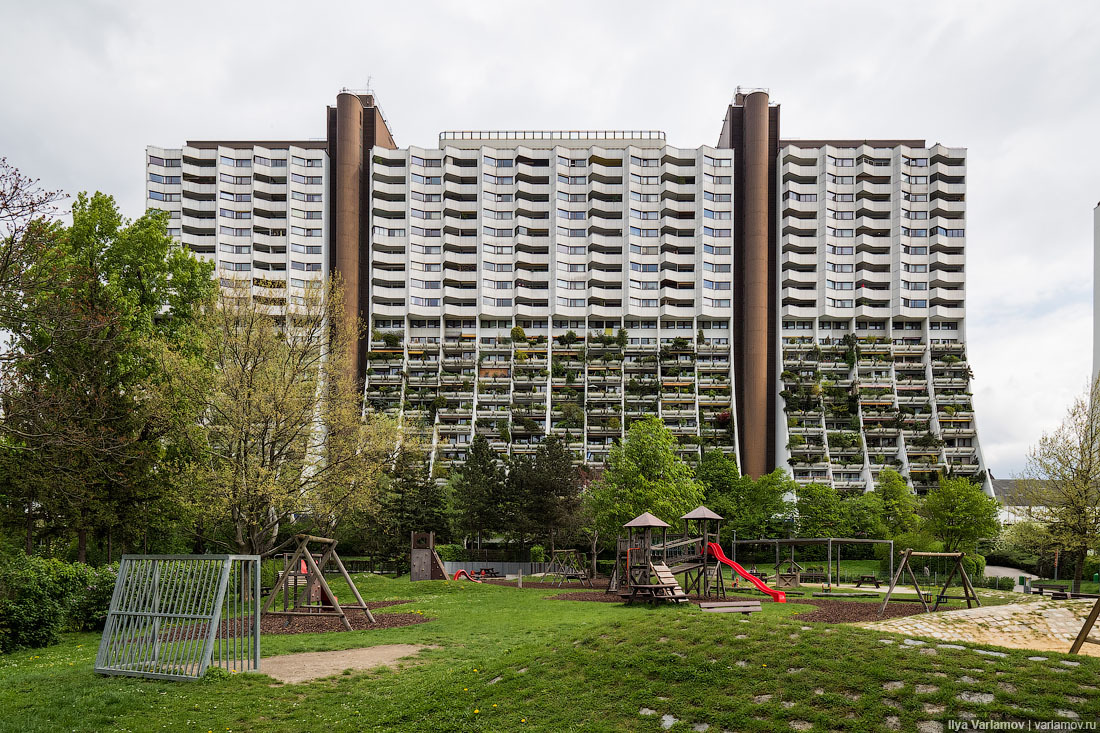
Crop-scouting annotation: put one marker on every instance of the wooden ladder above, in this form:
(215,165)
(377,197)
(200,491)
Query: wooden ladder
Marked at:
(665,576)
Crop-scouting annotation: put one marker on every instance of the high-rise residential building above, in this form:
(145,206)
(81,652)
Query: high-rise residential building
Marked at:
(795,303)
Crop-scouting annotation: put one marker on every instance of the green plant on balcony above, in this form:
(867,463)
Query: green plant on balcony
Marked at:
(795,441)
(679,343)
(621,338)
(844,440)
(928,440)
(505,433)
(391,339)
(518,335)
(567,339)
(613,423)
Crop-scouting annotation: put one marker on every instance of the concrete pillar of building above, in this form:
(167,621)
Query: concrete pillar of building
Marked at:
(754,252)
(345,212)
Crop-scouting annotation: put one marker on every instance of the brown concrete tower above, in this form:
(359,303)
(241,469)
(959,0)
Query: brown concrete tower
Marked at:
(751,129)
(355,127)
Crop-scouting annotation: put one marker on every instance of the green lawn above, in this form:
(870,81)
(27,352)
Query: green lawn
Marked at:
(564,665)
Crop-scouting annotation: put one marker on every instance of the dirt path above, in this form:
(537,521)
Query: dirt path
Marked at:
(294,668)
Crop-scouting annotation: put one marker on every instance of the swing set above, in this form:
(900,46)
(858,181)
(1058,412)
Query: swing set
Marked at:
(969,595)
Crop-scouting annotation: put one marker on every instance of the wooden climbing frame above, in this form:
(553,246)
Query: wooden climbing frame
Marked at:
(567,565)
(299,602)
(969,595)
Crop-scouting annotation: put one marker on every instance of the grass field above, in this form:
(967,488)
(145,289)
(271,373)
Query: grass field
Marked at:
(510,659)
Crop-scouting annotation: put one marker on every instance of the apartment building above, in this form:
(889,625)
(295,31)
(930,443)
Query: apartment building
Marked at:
(795,303)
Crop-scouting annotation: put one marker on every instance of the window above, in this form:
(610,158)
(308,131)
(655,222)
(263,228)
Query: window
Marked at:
(716,285)
(498,284)
(565,214)
(906,267)
(299,196)
(236,266)
(566,250)
(313,249)
(306,162)
(300,214)
(906,249)
(914,303)
(842,162)
(158,196)
(499,162)
(570,267)
(230,214)
(490,214)
(497,266)
(643,162)
(386,232)
(794,196)
(235,180)
(834,214)
(640,250)
(716,232)
(834,267)
(948,232)
(494,197)
(230,196)
(842,180)
(235,231)
(906,231)
(426,162)
(427,266)
(426,284)
(421,231)
(158,178)
(635,178)
(166,162)
(303,232)
(719,197)
(649,198)
(639,214)
(426,249)
(720,180)
(499,180)
(906,213)
(914,196)
(236,162)
(714,267)
(839,285)
(418,214)
(716,302)
(708,214)
(425,302)
(838,303)
(565,232)
(834,250)
(495,249)
(840,196)
(639,232)
(639,267)
(833,232)
(719,162)
(240,249)
(906,178)
(571,302)
(909,285)
(710,249)
(427,180)
(644,302)
(496,302)
(917,162)
(643,284)
(308,180)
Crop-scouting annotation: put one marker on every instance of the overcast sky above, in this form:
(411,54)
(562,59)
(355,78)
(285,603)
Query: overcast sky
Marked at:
(86,85)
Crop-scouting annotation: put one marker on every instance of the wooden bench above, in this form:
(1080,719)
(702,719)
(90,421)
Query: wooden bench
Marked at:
(743,607)
(1059,587)
(867,579)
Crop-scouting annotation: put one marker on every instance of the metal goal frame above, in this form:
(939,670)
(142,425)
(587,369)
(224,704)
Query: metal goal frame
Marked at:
(173,616)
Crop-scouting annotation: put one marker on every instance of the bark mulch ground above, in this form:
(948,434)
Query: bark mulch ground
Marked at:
(359,622)
(598,596)
(840,612)
(598,584)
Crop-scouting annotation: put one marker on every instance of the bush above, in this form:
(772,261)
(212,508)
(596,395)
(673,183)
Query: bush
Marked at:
(451,553)
(40,598)
(538,553)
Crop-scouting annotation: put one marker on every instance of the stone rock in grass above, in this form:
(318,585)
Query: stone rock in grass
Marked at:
(968,680)
(495,680)
(761,699)
(926,689)
(667,721)
(914,642)
(701,727)
(929,652)
(1068,663)
(795,670)
(885,641)
(801,725)
(742,663)
(1089,687)
(787,704)
(819,691)
(1066,714)
(891,704)
(950,646)
(1006,687)
(889,686)
(893,722)
(979,698)
(930,726)
(1036,659)
(852,696)
(988,653)
(647,711)
(931,709)
(741,636)
(521,671)
(1075,700)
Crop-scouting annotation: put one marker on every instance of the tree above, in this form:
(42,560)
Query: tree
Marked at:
(643,474)
(1061,480)
(750,508)
(413,502)
(545,491)
(283,432)
(479,491)
(958,514)
(819,511)
(898,503)
(861,516)
(87,398)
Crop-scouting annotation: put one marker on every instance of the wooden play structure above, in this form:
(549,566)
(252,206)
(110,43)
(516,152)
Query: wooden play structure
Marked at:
(308,594)
(646,569)
(1083,637)
(567,565)
(968,590)
(426,564)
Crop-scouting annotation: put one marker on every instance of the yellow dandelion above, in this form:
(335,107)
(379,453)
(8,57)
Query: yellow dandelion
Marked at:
(465,689)
(475,669)
(523,720)
(476,710)
(494,704)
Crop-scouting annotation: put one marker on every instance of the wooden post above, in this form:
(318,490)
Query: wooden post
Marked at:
(1083,637)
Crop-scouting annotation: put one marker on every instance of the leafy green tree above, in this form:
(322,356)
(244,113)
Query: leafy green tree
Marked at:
(643,474)
(750,508)
(958,514)
(545,491)
(413,502)
(89,399)
(899,504)
(861,516)
(480,492)
(819,511)
(1061,481)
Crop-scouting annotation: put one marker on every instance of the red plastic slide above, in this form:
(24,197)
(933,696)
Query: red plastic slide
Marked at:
(460,573)
(777,595)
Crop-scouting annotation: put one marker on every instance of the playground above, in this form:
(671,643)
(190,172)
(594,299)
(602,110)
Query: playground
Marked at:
(494,656)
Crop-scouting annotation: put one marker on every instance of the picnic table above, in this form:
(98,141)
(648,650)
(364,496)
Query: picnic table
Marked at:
(652,593)
(867,579)
(488,573)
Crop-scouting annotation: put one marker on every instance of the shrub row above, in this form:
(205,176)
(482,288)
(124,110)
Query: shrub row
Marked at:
(40,598)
